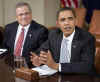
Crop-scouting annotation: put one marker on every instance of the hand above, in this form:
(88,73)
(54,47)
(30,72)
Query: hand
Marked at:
(46,58)
(35,59)
(43,57)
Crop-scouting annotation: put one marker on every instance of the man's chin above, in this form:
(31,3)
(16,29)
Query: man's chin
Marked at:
(24,24)
(67,33)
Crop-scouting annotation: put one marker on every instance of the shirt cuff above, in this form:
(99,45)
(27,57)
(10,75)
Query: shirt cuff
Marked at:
(59,67)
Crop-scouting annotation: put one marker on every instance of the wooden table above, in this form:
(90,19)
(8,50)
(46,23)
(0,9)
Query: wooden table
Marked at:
(54,78)
(65,78)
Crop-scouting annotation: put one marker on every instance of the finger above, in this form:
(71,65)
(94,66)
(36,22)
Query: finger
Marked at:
(33,54)
(42,55)
(30,57)
(42,52)
(42,62)
(43,59)
(49,54)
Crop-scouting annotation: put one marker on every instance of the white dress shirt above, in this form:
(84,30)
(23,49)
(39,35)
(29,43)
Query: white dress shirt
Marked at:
(69,44)
(18,33)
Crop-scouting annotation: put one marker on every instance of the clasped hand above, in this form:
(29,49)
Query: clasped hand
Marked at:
(44,58)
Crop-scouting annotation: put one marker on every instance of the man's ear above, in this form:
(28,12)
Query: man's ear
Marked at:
(57,24)
(16,19)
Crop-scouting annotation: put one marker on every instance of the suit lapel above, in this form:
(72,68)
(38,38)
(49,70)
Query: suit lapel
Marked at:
(15,27)
(75,44)
(28,39)
(59,40)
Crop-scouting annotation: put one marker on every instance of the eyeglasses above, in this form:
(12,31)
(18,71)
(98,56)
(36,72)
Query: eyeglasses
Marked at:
(26,13)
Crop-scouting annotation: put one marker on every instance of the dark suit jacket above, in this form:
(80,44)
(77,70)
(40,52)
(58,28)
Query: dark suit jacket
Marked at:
(36,35)
(82,51)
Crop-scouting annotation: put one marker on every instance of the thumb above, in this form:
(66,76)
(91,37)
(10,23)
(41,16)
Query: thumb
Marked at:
(33,54)
(49,53)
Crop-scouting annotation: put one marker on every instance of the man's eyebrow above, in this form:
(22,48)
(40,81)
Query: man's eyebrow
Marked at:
(70,17)
(62,19)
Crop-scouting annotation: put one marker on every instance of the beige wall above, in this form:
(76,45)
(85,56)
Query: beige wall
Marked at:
(51,7)
(44,11)
(1,13)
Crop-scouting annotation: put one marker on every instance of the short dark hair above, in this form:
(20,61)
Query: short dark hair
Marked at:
(66,9)
(20,4)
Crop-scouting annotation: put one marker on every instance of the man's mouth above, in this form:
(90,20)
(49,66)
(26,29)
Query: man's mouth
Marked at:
(67,28)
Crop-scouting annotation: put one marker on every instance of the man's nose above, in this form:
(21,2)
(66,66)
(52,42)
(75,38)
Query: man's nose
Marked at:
(66,22)
(24,16)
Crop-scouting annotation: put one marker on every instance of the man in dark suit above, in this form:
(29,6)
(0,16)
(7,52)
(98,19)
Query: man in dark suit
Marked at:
(21,44)
(68,49)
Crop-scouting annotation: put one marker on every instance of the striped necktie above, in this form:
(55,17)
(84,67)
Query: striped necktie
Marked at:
(19,43)
(64,53)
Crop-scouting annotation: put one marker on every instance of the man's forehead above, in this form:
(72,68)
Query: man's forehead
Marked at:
(22,8)
(66,14)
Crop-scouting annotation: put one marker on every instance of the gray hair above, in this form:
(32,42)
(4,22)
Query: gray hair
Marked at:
(21,4)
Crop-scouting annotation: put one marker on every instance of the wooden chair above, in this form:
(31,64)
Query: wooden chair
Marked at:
(95,23)
(80,16)
(95,30)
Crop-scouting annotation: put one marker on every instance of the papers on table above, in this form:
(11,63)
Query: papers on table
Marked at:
(2,51)
(44,70)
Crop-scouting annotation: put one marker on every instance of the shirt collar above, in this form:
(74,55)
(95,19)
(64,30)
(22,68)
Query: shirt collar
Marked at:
(69,38)
(25,28)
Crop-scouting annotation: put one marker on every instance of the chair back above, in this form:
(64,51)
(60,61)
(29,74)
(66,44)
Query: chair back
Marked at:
(80,17)
(95,30)
(95,23)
